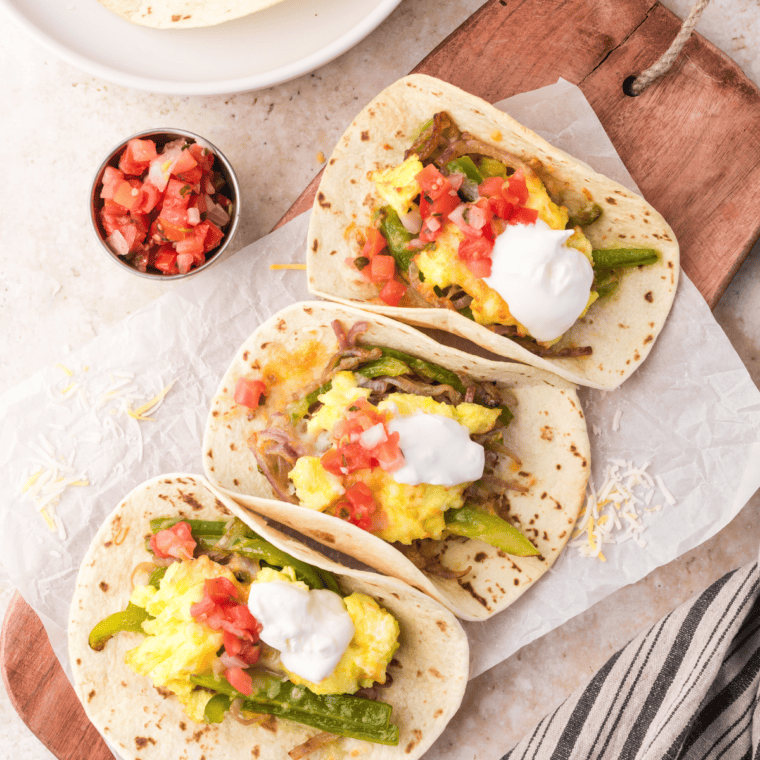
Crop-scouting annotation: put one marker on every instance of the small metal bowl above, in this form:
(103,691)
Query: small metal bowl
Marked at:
(161,137)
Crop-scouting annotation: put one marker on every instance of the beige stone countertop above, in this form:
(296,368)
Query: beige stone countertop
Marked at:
(57,289)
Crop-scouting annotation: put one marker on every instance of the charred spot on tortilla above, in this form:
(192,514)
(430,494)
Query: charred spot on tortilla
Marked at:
(103,586)
(322,200)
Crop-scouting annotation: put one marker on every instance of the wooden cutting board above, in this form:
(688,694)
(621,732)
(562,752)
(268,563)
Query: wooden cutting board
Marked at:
(691,142)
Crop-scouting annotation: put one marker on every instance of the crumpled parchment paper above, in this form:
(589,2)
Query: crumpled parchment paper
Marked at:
(691,410)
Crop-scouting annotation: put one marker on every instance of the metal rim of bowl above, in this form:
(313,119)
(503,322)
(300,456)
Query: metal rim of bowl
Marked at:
(166,135)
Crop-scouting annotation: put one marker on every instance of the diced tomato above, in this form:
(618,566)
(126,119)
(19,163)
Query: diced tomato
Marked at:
(126,195)
(432,182)
(475,248)
(203,156)
(177,194)
(249,392)
(142,151)
(392,292)
(185,163)
(518,189)
(382,268)
(389,454)
(132,160)
(171,230)
(148,199)
(501,207)
(240,680)
(241,622)
(111,179)
(191,245)
(491,187)
(479,267)
(166,261)
(191,176)
(333,462)
(444,205)
(374,244)
(220,590)
(248,651)
(176,542)
(523,216)
(431,229)
(213,235)
(358,507)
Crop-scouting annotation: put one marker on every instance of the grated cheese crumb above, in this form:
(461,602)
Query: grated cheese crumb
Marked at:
(287,266)
(614,513)
(616,420)
(47,474)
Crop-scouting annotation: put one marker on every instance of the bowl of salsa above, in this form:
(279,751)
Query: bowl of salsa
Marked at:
(165,203)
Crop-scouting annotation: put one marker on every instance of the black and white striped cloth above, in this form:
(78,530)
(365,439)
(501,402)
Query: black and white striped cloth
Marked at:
(686,689)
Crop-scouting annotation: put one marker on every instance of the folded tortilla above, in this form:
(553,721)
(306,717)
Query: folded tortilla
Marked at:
(428,680)
(184,14)
(548,434)
(621,329)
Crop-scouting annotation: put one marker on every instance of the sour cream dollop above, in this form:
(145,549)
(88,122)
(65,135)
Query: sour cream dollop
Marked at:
(310,628)
(437,450)
(545,283)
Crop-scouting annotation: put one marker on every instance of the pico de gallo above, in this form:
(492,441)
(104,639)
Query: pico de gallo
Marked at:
(164,210)
(442,220)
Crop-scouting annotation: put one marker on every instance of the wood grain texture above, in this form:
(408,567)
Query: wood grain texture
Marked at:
(691,141)
(39,690)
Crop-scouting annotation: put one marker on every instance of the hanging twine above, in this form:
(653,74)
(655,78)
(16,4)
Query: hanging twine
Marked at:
(643,80)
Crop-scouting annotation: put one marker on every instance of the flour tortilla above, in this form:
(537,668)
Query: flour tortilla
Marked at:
(620,329)
(428,681)
(548,434)
(184,14)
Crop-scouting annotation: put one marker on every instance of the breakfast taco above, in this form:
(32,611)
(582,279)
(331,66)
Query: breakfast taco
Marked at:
(442,211)
(459,475)
(197,630)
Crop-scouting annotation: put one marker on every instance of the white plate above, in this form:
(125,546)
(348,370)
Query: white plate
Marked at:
(259,50)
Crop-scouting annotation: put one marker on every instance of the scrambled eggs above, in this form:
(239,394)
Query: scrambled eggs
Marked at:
(409,511)
(439,262)
(375,642)
(177,646)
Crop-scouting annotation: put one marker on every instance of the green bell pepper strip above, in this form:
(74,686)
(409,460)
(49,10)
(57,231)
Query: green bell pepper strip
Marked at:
(397,237)
(607,284)
(386,365)
(465,165)
(491,167)
(585,216)
(216,707)
(130,619)
(341,714)
(624,258)
(299,409)
(426,369)
(248,544)
(470,522)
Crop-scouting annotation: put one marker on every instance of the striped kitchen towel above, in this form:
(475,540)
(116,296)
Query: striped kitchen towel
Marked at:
(686,689)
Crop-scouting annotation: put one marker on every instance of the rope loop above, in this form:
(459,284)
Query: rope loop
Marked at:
(667,59)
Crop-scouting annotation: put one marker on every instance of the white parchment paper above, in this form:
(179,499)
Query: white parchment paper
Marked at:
(691,410)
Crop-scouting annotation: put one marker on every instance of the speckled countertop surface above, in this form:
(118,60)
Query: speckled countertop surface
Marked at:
(57,290)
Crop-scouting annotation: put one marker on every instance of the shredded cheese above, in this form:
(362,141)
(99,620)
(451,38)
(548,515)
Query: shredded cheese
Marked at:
(49,475)
(287,266)
(614,514)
